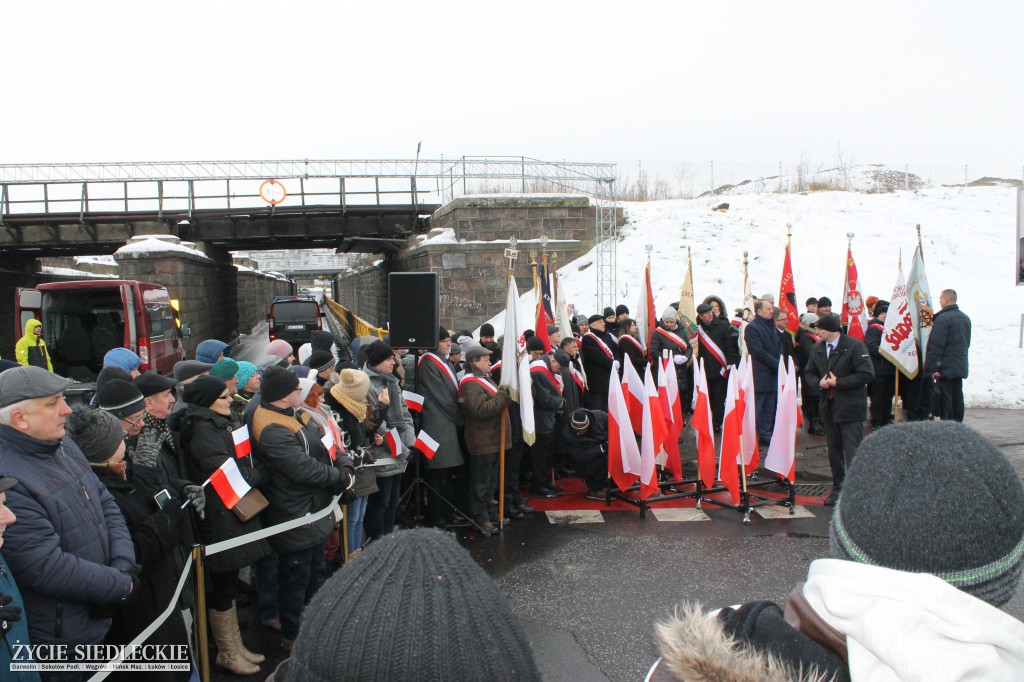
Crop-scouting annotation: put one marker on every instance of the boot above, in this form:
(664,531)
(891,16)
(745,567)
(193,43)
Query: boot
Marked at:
(225,632)
(251,656)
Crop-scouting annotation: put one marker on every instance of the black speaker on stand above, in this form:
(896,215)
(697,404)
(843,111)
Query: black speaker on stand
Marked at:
(413,309)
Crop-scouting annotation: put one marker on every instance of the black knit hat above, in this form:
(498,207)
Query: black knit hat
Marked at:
(320,360)
(534,343)
(95,432)
(425,611)
(934,497)
(824,302)
(828,323)
(151,384)
(205,390)
(608,312)
(881,307)
(487,329)
(621,309)
(580,420)
(120,398)
(110,373)
(443,334)
(377,352)
(277,383)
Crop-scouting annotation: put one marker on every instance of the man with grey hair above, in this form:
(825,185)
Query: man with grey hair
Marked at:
(70,551)
(946,356)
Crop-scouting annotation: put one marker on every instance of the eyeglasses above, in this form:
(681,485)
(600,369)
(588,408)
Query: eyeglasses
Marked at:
(133,422)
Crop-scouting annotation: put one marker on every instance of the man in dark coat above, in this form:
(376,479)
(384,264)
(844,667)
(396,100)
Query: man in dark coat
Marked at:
(300,479)
(717,346)
(599,350)
(765,349)
(883,387)
(806,338)
(946,357)
(547,402)
(488,342)
(586,445)
(841,367)
(70,551)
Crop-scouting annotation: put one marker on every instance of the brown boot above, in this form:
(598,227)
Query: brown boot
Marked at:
(224,625)
(251,656)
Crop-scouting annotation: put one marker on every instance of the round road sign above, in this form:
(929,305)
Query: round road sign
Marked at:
(273,192)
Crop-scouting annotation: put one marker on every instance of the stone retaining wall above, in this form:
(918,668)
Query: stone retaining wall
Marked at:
(256,291)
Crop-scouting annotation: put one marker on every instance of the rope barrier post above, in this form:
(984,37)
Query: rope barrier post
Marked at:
(202,643)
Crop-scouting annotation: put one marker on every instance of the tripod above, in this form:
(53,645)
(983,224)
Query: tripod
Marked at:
(415,492)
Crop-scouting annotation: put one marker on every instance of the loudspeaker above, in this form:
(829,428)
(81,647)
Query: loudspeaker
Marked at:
(413,309)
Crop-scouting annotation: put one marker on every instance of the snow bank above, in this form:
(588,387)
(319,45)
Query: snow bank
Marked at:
(154,245)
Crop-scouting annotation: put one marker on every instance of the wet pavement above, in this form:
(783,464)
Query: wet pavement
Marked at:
(588,594)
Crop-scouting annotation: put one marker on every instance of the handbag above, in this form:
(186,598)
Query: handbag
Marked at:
(251,504)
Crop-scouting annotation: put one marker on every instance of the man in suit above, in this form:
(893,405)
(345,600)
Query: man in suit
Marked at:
(599,352)
(765,348)
(946,357)
(841,367)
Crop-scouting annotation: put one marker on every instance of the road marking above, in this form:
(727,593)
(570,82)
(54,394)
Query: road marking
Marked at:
(575,516)
(778,512)
(680,514)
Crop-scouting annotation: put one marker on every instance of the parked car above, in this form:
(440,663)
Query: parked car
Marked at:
(294,319)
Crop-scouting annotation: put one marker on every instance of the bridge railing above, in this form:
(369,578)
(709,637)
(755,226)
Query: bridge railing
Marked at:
(182,187)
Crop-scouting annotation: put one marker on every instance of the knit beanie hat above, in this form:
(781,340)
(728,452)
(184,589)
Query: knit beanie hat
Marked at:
(455,349)
(881,307)
(187,369)
(123,358)
(354,383)
(443,334)
(534,343)
(304,352)
(208,350)
(277,383)
(824,302)
(377,352)
(609,312)
(934,497)
(487,329)
(279,348)
(305,385)
(670,314)
(580,420)
(425,611)
(205,390)
(110,373)
(120,398)
(225,369)
(245,371)
(828,323)
(95,432)
(319,360)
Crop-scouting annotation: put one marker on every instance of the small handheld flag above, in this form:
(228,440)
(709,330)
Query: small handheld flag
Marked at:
(413,400)
(240,436)
(229,483)
(427,445)
(391,438)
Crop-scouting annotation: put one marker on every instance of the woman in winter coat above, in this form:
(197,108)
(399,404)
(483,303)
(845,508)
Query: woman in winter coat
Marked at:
(630,347)
(248,376)
(349,400)
(154,531)
(205,427)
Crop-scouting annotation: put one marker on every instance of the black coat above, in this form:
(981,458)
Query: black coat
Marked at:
(848,401)
(948,344)
(547,402)
(873,339)
(299,475)
(720,333)
(630,352)
(806,340)
(661,343)
(591,445)
(206,442)
(597,362)
(765,348)
(155,535)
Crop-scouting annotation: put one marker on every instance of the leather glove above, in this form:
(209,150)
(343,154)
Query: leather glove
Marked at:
(196,497)
(8,614)
(147,448)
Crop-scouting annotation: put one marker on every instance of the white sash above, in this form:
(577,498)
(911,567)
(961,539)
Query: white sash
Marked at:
(602,344)
(712,347)
(443,365)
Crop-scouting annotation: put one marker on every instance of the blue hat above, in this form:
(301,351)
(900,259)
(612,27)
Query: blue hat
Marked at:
(208,350)
(123,358)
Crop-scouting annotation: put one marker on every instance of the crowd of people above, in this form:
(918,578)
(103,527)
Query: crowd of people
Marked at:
(335,419)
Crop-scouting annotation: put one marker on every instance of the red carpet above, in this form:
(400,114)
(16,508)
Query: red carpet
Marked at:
(574,497)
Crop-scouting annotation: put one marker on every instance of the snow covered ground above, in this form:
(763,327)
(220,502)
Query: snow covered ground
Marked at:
(969,245)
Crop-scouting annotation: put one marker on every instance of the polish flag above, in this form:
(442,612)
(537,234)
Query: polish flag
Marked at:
(781,457)
(243,446)
(393,441)
(427,445)
(413,400)
(229,483)
(635,394)
(672,408)
(331,443)
(702,426)
(748,415)
(646,318)
(652,437)
(728,471)
(623,453)
(855,313)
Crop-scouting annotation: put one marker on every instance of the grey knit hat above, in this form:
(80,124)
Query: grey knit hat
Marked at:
(413,606)
(934,497)
(97,433)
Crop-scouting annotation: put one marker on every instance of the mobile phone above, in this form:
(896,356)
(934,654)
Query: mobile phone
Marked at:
(162,497)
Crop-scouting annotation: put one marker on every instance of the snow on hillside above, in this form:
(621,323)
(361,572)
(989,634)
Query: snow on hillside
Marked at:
(968,237)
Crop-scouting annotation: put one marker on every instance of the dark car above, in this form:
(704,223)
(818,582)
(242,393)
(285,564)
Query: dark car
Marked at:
(294,319)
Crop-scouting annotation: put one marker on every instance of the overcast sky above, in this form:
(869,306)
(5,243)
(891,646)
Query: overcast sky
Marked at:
(922,82)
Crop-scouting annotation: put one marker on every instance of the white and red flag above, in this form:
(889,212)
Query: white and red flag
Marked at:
(646,317)
(427,445)
(652,437)
(855,314)
(623,453)
(394,442)
(781,457)
(635,394)
(331,443)
(672,408)
(414,401)
(728,469)
(787,295)
(898,336)
(229,483)
(243,446)
(515,368)
(702,426)
(748,415)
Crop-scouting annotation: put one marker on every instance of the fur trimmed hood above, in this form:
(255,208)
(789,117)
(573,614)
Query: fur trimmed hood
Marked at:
(695,648)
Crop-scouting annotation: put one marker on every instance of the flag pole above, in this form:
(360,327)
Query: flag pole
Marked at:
(511,253)
(896,391)
(846,279)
